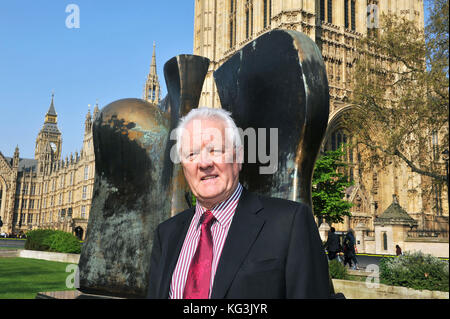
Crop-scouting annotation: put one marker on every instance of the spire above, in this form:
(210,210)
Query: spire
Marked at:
(96,110)
(16,157)
(88,122)
(151,87)
(51,116)
(88,115)
(51,110)
(153,64)
(49,138)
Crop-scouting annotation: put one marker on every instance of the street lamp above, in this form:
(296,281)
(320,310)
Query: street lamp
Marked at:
(445,157)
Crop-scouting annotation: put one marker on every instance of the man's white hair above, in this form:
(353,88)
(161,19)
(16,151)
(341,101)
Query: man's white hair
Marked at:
(213,114)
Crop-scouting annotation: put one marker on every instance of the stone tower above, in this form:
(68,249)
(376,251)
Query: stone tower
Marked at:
(151,87)
(222,27)
(88,144)
(48,141)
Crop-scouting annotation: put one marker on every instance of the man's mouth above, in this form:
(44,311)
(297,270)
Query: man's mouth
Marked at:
(204,178)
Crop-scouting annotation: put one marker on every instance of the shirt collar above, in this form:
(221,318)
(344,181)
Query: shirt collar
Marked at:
(224,211)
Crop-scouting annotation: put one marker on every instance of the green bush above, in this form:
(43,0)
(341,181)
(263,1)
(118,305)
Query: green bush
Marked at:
(415,270)
(52,240)
(63,242)
(337,269)
(36,239)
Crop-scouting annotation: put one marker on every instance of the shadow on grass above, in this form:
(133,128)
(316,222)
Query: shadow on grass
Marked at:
(23,278)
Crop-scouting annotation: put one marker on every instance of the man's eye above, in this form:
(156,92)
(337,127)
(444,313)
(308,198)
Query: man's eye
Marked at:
(192,155)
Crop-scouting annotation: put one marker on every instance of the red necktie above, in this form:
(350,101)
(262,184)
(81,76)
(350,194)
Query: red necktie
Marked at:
(199,275)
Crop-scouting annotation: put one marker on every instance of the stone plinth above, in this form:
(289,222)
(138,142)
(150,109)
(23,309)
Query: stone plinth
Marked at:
(70,294)
(362,290)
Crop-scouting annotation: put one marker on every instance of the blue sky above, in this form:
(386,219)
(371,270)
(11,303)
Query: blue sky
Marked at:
(107,58)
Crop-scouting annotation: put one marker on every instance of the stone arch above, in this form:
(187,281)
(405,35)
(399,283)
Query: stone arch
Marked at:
(337,134)
(335,123)
(335,119)
(358,197)
(79,232)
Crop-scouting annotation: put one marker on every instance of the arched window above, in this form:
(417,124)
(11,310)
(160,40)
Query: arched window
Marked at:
(349,14)
(267,12)
(339,138)
(248,18)
(385,241)
(353,14)
(232,23)
(326,10)
(86,172)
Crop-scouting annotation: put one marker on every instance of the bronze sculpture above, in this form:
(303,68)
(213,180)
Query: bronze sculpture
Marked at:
(276,81)
(136,183)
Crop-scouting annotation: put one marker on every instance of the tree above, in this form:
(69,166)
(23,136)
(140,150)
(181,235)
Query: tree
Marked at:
(400,92)
(328,188)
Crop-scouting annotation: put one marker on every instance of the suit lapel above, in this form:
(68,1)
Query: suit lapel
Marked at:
(173,251)
(243,231)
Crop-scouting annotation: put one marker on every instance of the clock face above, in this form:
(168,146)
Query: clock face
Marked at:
(53,146)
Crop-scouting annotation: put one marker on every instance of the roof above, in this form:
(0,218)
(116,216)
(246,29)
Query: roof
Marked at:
(51,127)
(25,164)
(395,214)
(51,110)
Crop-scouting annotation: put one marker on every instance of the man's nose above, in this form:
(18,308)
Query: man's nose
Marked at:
(205,160)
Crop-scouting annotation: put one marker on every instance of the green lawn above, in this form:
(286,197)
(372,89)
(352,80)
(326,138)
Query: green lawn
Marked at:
(23,278)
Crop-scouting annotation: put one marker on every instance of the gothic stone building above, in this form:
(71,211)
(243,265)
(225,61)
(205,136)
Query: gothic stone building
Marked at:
(222,27)
(48,192)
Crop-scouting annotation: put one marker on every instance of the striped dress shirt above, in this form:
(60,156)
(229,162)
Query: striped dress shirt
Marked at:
(223,213)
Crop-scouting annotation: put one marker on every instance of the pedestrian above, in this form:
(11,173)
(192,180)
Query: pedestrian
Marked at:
(332,245)
(398,250)
(349,250)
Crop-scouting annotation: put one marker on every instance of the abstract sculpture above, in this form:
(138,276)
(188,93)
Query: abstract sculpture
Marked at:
(137,186)
(278,81)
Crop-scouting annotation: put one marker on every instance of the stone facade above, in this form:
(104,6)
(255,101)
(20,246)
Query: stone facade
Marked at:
(222,27)
(48,192)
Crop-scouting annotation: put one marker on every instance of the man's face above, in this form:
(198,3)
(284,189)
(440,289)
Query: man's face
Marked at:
(209,161)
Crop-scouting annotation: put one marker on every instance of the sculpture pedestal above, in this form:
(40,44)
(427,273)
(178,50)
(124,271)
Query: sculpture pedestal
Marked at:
(70,294)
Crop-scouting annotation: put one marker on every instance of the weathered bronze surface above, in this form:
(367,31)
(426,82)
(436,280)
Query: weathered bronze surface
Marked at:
(130,136)
(136,182)
(279,81)
(184,75)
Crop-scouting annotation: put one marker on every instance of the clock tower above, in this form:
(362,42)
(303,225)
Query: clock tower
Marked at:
(48,141)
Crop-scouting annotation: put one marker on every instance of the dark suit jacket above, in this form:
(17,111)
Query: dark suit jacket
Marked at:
(273,250)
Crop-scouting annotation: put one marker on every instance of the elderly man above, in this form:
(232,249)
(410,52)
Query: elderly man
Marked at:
(233,243)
